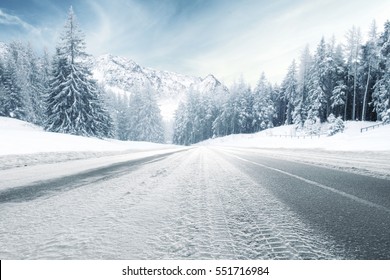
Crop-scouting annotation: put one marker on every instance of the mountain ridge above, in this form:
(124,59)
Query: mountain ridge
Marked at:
(122,75)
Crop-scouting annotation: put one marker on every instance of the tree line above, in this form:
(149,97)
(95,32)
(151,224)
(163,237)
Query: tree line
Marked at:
(348,81)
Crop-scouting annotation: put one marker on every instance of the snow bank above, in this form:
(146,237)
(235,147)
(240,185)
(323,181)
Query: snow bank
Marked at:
(19,137)
(24,144)
(286,137)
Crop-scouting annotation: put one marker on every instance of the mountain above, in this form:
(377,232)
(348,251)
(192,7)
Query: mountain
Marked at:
(122,76)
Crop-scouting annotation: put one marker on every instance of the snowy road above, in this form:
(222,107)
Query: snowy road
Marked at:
(200,203)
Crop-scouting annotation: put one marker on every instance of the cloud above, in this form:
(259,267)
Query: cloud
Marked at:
(8,19)
(225,38)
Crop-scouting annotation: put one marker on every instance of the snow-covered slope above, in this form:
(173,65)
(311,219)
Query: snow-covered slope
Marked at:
(122,75)
(286,137)
(125,74)
(24,143)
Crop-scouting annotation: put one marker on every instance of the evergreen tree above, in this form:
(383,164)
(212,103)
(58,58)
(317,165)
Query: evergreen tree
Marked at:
(181,132)
(263,107)
(122,117)
(289,91)
(353,49)
(318,84)
(300,106)
(145,121)
(2,89)
(12,103)
(73,104)
(35,88)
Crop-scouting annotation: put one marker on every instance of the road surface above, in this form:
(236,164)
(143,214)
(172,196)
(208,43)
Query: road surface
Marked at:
(197,203)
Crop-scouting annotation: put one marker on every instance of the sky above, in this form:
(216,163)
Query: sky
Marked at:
(230,39)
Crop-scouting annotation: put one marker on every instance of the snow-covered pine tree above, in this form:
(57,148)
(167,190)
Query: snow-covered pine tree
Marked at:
(35,88)
(353,53)
(338,97)
(317,97)
(105,121)
(12,103)
(121,106)
(180,134)
(289,90)
(73,105)
(2,89)
(300,106)
(145,121)
(336,125)
(244,107)
(263,105)
(336,81)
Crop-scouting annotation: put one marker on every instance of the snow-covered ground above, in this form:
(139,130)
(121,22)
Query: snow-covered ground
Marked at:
(22,143)
(285,137)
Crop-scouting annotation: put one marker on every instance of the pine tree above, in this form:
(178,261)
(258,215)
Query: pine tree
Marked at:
(300,106)
(289,91)
(318,84)
(73,104)
(35,88)
(12,99)
(336,125)
(122,117)
(145,121)
(263,107)
(181,133)
(2,89)
(353,59)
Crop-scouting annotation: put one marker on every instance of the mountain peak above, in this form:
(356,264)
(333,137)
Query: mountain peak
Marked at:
(123,75)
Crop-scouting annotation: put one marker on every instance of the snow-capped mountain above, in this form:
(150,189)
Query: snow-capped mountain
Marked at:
(126,75)
(209,84)
(122,75)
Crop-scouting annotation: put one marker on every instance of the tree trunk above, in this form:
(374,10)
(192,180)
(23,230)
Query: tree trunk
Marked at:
(346,102)
(354,96)
(365,94)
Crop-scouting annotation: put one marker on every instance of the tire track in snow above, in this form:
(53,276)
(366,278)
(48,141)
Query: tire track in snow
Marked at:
(273,231)
(244,221)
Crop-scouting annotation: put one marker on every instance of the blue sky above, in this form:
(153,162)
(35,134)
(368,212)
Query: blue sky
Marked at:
(227,38)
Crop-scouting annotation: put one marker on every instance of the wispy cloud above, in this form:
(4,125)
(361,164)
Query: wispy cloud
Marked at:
(198,37)
(9,19)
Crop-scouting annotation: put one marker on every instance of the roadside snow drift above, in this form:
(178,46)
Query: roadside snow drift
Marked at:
(285,137)
(19,137)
